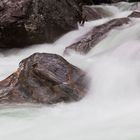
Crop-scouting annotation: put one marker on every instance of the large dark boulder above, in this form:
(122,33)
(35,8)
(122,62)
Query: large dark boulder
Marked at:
(44,78)
(26,22)
(88,41)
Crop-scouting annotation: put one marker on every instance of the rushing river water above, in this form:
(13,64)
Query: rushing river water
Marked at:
(111,110)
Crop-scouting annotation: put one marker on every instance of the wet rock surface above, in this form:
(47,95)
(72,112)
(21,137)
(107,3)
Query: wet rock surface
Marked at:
(85,44)
(135,14)
(90,13)
(44,78)
(27,22)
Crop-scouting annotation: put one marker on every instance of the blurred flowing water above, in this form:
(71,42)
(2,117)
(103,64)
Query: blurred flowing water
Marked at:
(110,111)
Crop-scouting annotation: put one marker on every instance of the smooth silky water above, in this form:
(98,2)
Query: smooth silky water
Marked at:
(110,111)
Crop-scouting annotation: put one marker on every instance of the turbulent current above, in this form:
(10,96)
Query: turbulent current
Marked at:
(110,111)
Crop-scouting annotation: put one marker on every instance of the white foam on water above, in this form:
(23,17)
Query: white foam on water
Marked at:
(110,111)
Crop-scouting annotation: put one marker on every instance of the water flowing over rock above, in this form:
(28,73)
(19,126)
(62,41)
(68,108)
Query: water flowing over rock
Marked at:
(135,14)
(85,44)
(26,22)
(44,78)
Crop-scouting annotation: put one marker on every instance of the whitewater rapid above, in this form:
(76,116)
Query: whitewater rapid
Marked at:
(110,111)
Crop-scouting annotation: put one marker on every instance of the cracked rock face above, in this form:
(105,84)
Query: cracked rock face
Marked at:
(44,78)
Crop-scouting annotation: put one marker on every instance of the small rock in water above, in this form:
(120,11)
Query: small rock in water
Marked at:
(135,14)
(85,44)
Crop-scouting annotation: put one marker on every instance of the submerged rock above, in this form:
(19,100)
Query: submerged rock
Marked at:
(85,44)
(135,14)
(44,78)
(26,22)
